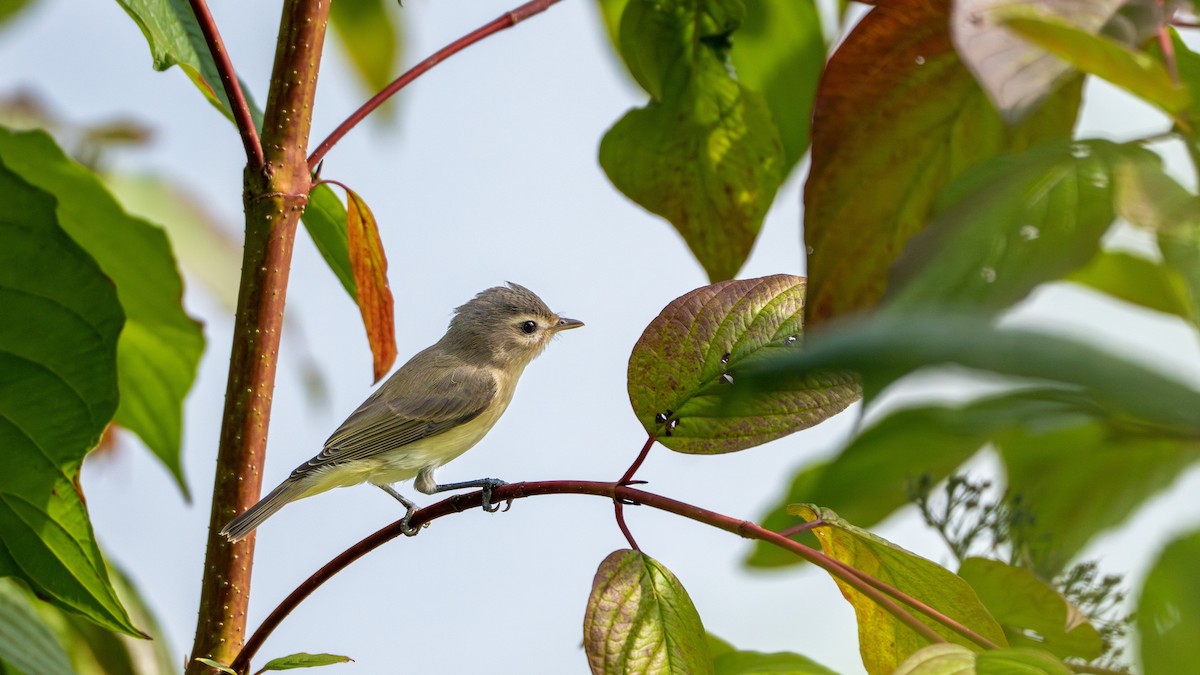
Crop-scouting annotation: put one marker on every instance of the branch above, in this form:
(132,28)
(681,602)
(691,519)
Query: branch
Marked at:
(233,89)
(874,589)
(508,20)
(275,195)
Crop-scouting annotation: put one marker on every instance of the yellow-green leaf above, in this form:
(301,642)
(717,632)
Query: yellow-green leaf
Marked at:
(885,642)
(639,619)
(1137,72)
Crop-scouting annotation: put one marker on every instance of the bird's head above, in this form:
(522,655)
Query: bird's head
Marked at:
(505,326)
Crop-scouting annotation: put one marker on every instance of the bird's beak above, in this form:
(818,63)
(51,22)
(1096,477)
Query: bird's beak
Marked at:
(566,324)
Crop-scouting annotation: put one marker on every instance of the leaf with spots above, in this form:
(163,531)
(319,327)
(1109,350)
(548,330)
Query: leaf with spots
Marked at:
(58,391)
(683,371)
(639,619)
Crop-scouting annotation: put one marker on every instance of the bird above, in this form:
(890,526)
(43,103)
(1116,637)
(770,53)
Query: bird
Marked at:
(434,408)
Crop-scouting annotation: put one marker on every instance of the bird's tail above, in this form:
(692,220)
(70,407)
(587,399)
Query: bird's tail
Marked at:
(288,491)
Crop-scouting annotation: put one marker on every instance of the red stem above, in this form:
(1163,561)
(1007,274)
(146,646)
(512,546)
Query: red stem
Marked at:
(233,89)
(637,463)
(876,590)
(802,527)
(508,20)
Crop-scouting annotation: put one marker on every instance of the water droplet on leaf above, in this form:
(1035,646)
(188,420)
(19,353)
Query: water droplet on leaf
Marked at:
(1030,232)
(988,274)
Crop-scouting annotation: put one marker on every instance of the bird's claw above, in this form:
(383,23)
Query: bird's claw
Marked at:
(409,530)
(491,484)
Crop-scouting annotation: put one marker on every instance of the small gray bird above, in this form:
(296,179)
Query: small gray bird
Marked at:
(431,410)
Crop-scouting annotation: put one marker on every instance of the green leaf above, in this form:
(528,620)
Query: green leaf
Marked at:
(219,666)
(303,660)
(779,51)
(10,8)
(1017,75)
(704,153)
(1149,198)
(875,473)
(1168,613)
(758,663)
(26,643)
(175,39)
(683,370)
(939,659)
(885,642)
(58,391)
(897,118)
(1138,281)
(208,253)
(325,220)
(370,37)
(1025,605)
(1079,481)
(1010,224)
(884,349)
(1136,72)
(1019,662)
(161,345)
(94,650)
(640,619)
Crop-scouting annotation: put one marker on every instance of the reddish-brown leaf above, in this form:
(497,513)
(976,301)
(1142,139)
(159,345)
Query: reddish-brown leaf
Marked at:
(897,118)
(369,265)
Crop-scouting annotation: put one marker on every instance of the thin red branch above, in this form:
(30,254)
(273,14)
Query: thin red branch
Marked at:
(233,89)
(508,20)
(637,463)
(876,590)
(802,527)
(619,510)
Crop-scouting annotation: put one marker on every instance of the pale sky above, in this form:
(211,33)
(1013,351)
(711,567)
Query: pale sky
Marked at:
(489,175)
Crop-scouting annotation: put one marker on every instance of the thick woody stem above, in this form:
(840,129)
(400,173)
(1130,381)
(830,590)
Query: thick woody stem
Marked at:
(275,196)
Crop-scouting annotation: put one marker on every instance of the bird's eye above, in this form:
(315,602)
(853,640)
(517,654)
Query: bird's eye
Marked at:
(528,327)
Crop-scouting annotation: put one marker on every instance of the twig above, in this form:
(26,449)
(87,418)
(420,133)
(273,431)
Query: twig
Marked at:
(637,463)
(233,89)
(802,527)
(876,590)
(508,20)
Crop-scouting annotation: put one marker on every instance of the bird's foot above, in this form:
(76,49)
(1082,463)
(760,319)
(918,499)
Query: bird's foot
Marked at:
(489,484)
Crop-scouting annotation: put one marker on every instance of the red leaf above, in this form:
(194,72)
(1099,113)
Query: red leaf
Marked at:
(369,265)
(897,118)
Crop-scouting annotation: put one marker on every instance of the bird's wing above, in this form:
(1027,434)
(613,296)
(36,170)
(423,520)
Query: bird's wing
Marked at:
(390,419)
